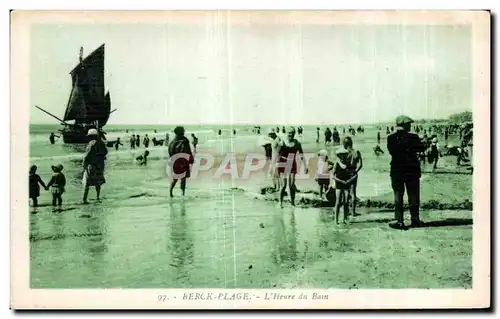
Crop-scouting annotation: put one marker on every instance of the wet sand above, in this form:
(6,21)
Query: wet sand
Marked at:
(223,236)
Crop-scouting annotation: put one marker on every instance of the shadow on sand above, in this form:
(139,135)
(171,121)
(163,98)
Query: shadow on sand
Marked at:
(447,172)
(448,222)
(435,223)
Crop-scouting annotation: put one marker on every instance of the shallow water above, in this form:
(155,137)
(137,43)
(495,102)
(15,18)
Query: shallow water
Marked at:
(216,236)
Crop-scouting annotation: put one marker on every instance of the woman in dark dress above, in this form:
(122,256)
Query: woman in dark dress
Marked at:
(181,158)
(93,164)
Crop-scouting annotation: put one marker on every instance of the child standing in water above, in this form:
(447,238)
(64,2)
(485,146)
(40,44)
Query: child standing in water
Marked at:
(34,183)
(57,184)
(324,168)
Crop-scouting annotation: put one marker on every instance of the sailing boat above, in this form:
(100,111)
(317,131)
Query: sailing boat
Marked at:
(88,106)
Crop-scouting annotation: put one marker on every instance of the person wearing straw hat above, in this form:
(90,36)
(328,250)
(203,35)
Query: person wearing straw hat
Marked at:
(405,172)
(93,164)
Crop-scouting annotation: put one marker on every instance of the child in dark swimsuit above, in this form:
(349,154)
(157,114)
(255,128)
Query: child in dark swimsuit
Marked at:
(34,185)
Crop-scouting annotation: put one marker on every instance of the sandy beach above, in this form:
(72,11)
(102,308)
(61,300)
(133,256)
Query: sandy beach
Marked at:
(225,234)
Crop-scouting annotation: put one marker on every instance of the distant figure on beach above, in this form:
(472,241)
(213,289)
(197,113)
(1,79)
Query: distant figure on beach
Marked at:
(146,141)
(34,185)
(180,164)
(57,184)
(335,136)
(234,132)
(378,137)
(93,164)
(138,140)
(156,131)
(317,134)
(220,132)
(143,159)
(328,136)
(286,163)
(405,170)
(467,141)
(325,167)
(433,153)
(277,130)
(378,150)
(283,130)
(132,141)
(52,138)
(354,165)
(195,141)
(118,143)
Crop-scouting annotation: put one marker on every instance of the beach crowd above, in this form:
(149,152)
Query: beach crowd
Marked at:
(410,146)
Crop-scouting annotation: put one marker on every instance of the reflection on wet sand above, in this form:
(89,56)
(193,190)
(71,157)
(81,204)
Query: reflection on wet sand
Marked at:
(285,238)
(180,243)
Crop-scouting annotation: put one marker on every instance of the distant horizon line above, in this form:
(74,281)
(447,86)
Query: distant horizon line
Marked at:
(255,124)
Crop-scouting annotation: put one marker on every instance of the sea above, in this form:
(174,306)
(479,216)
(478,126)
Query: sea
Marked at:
(139,237)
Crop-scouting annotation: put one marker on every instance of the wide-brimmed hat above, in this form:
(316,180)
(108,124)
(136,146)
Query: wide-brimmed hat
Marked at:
(290,129)
(92,131)
(403,119)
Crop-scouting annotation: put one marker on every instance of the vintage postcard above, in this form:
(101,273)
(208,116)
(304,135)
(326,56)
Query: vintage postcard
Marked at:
(250,159)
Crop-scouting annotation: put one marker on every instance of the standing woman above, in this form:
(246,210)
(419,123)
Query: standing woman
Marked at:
(355,164)
(286,163)
(93,164)
(181,163)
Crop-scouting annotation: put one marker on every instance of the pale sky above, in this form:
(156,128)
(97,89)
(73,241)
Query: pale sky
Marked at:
(284,74)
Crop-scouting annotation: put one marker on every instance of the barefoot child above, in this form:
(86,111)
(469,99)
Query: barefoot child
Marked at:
(34,183)
(324,168)
(57,184)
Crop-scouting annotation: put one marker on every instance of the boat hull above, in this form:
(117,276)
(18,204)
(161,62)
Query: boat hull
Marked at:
(75,135)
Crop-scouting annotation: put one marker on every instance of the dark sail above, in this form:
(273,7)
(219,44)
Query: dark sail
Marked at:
(75,110)
(106,109)
(88,76)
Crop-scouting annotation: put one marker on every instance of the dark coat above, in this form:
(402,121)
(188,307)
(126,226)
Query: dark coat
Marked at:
(404,148)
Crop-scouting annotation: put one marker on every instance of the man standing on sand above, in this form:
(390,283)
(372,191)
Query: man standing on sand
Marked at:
(405,170)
